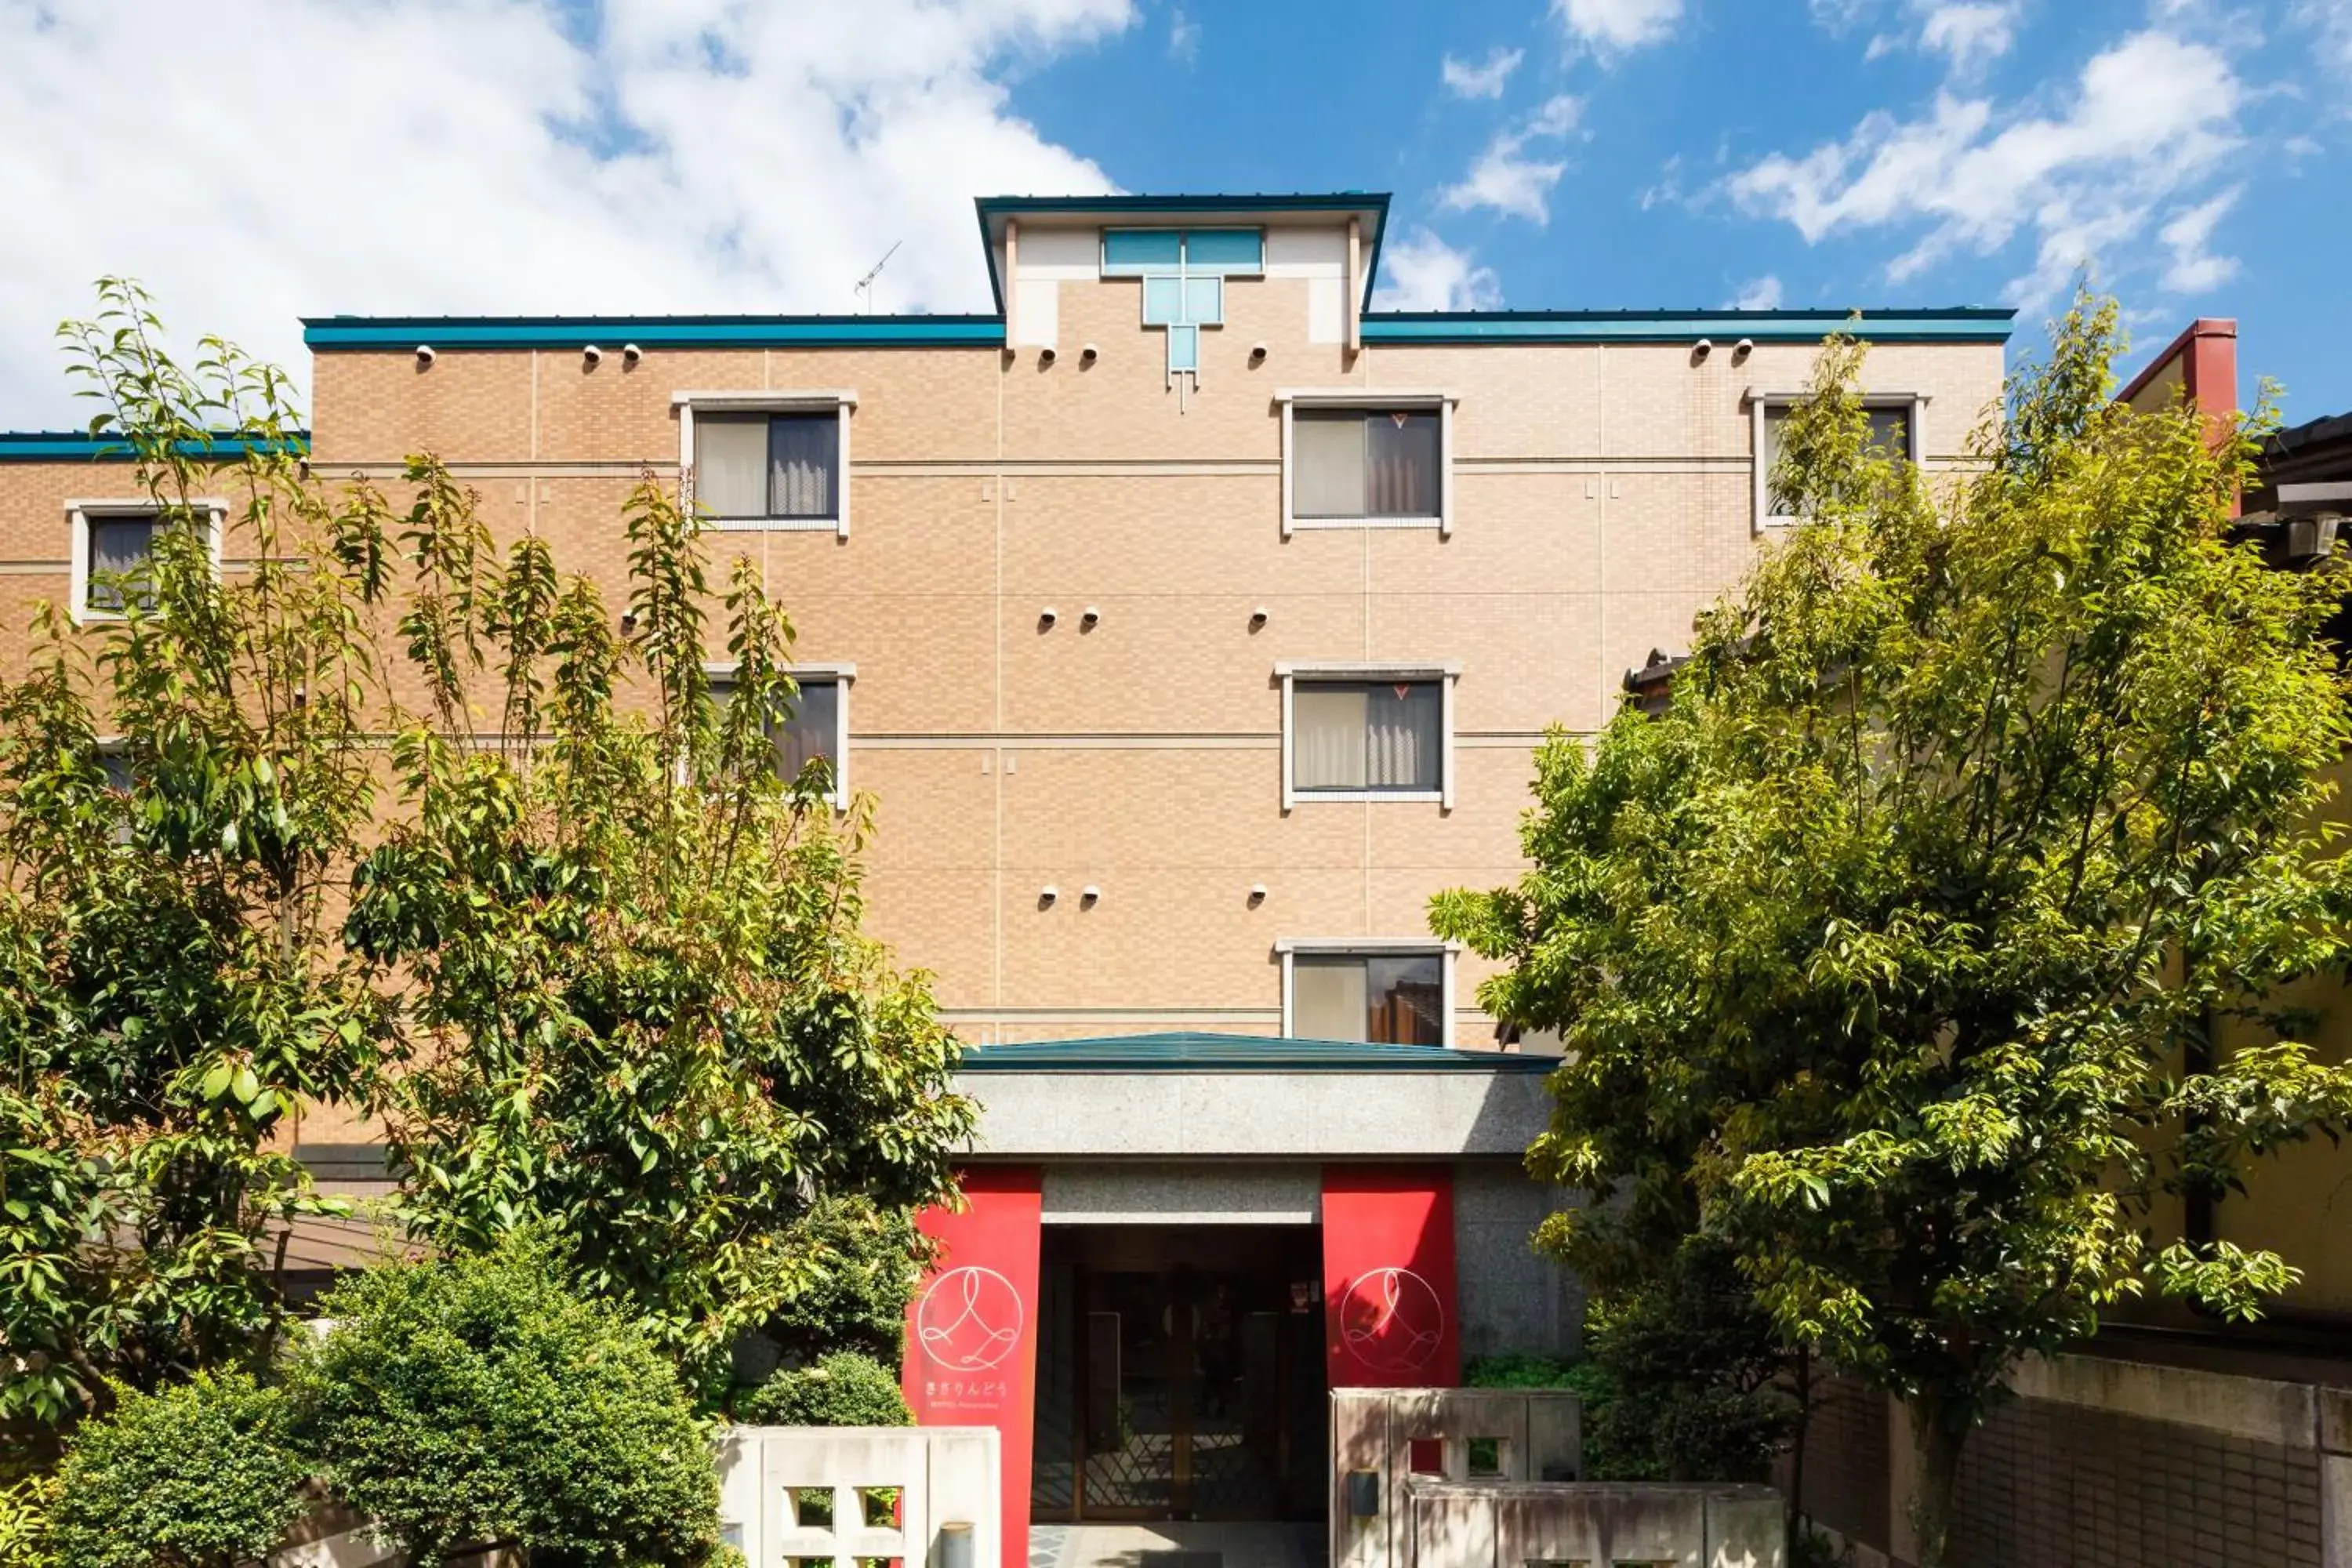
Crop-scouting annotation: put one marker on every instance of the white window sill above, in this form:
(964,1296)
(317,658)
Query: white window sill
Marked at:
(1421,797)
(775,524)
(1305,524)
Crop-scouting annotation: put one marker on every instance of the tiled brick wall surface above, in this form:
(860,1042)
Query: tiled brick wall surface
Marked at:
(1846,1471)
(2045,1484)
(1601,498)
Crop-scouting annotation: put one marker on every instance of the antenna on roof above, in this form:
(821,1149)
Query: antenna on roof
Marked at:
(865,287)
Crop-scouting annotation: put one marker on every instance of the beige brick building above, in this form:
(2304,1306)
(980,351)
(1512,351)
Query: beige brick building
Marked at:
(1192,626)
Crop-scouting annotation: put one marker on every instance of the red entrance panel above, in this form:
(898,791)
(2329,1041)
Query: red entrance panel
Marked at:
(971,1329)
(1390,1318)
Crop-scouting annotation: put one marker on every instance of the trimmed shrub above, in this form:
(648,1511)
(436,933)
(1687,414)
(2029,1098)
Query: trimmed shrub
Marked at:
(845,1389)
(483,1400)
(203,1474)
(871,1261)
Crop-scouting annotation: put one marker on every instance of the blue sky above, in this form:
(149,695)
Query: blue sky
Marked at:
(649,155)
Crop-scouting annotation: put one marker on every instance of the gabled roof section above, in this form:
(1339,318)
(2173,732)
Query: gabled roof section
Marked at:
(80,447)
(1955,325)
(1371,207)
(653,331)
(1206,1053)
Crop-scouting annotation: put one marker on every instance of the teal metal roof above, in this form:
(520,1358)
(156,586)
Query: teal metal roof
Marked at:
(1192,1052)
(76,446)
(1965,323)
(654,331)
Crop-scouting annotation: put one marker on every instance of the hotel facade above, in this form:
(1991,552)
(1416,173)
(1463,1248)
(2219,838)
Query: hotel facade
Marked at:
(1192,624)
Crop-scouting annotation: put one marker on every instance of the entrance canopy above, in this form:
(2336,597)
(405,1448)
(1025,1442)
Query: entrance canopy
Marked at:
(1251,1097)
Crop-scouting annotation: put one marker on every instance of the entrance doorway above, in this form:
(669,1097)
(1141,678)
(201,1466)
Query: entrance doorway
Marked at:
(1179,1373)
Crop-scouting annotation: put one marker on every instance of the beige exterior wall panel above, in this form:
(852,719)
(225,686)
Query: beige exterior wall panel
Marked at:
(1512,532)
(1163,534)
(618,412)
(1164,664)
(940,921)
(1074,815)
(1123,407)
(471,405)
(1528,659)
(1175,939)
(1526,401)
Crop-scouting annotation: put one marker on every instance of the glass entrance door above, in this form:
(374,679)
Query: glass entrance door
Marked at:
(1195,1360)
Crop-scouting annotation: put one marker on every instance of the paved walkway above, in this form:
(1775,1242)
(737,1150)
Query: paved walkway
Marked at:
(1189,1545)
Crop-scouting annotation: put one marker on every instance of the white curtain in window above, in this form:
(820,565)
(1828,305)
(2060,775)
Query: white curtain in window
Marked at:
(730,464)
(1403,735)
(1327,998)
(1401,465)
(1326,743)
(803,449)
(813,729)
(1327,448)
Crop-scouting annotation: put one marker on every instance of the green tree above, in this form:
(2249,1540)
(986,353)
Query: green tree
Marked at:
(649,1021)
(182,793)
(486,1400)
(203,1475)
(1888,954)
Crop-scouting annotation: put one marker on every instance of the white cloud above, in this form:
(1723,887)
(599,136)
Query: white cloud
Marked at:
(250,163)
(1465,80)
(1507,177)
(1183,38)
(2331,22)
(1422,272)
(2189,236)
(1971,35)
(1759,294)
(1610,26)
(2151,121)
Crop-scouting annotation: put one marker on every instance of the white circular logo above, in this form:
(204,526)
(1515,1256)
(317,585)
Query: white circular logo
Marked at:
(970,1320)
(1392,1320)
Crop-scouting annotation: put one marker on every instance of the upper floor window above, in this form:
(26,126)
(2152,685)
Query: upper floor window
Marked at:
(113,544)
(1183,273)
(1895,420)
(817,727)
(1352,459)
(767,460)
(1396,992)
(1367,732)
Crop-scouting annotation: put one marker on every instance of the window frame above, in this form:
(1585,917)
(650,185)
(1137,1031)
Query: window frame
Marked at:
(1288,949)
(1760,403)
(845,676)
(79,514)
(1291,672)
(1411,400)
(841,402)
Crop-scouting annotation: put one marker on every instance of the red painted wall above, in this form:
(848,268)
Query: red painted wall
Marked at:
(971,1329)
(1391,1314)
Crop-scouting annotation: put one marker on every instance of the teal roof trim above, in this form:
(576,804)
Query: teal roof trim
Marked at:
(1191,1052)
(70,446)
(1967,324)
(653,331)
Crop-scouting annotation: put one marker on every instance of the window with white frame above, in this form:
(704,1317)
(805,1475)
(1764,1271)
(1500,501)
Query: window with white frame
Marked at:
(1895,422)
(1396,992)
(1361,459)
(768,459)
(816,727)
(113,541)
(1354,732)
